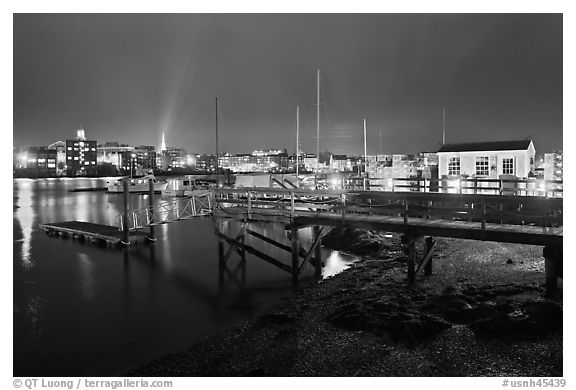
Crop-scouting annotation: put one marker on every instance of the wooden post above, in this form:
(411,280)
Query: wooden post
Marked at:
(249,204)
(405,211)
(292,209)
(151,235)
(125,232)
(221,264)
(483,216)
(343,196)
(552,263)
(295,253)
(428,247)
(411,259)
(317,252)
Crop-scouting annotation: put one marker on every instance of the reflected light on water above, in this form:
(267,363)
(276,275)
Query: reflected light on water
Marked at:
(35,313)
(86,270)
(167,261)
(82,209)
(335,263)
(25,215)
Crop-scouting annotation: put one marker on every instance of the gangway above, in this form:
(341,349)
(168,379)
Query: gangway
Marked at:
(168,211)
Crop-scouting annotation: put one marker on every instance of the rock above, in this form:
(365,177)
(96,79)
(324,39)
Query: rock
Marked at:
(536,320)
(276,319)
(546,313)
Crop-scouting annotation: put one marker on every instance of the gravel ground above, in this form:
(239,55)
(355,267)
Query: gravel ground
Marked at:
(481,313)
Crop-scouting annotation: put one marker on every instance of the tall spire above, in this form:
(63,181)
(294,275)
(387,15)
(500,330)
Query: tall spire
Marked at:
(163,147)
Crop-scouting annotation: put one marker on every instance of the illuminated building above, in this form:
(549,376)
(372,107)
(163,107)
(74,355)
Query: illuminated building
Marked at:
(81,155)
(487,159)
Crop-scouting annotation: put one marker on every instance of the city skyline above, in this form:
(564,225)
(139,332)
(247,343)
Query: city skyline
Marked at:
(128,78)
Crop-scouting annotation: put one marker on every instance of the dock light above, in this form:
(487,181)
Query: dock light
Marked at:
(456,183)
(335,181)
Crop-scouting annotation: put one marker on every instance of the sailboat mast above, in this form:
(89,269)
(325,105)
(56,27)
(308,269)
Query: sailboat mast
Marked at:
(365,157)
(443,125)
(317,124)
(297,141)
(217,173)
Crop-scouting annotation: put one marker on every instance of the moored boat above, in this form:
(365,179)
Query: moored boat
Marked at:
(187,186)
(136,185)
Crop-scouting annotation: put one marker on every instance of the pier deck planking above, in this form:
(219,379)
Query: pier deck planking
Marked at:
(111,235)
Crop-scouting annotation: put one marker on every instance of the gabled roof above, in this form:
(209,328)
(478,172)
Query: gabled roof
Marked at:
(486,146)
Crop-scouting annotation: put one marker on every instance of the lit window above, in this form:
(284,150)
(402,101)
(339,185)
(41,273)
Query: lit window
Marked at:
(69,157)
(454,166)
(75,157)
(93,149)
(508,166)
(482,166)
(69,148)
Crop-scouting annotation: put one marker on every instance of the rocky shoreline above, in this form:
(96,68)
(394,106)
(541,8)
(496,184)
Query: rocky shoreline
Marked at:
(481,313)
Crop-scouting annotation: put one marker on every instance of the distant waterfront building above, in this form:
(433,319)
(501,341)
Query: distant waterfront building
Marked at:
(81,155)
(111,153)
(340,163)
(172,157)
(39,161)
(60,148)
(145,157)
(487,159)
(206,162)
(258,161)
(553,166)
(309,161)
(237,163)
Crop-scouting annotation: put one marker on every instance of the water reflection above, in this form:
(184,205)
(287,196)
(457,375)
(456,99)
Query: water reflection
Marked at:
(34,312)
(25,216)
(86,269)
(80,309)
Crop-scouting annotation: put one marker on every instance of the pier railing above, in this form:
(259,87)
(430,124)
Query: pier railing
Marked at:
(170,211)
(518,187)
(285,205)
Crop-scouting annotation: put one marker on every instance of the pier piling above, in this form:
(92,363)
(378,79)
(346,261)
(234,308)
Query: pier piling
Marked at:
(552,264)
(317,252)
(151,236)
(295,249)
(126,233)
(429,246)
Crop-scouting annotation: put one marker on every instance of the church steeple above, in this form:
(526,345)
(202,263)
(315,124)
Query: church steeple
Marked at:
(163,147)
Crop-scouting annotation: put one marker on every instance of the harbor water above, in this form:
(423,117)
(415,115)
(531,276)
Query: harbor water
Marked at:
(86,310)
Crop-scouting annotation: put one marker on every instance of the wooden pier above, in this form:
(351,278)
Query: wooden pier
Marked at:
(418,216)
(85,231)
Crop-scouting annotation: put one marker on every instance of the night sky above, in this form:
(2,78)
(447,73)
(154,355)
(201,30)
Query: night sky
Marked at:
(128,78)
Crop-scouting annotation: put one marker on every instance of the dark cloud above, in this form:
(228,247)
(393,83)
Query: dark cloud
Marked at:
(127,78)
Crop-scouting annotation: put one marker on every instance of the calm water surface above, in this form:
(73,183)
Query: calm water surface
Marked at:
(85,310)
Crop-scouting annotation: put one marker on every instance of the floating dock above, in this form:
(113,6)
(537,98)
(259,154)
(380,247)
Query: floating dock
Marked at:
(88,189)
(102,234)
